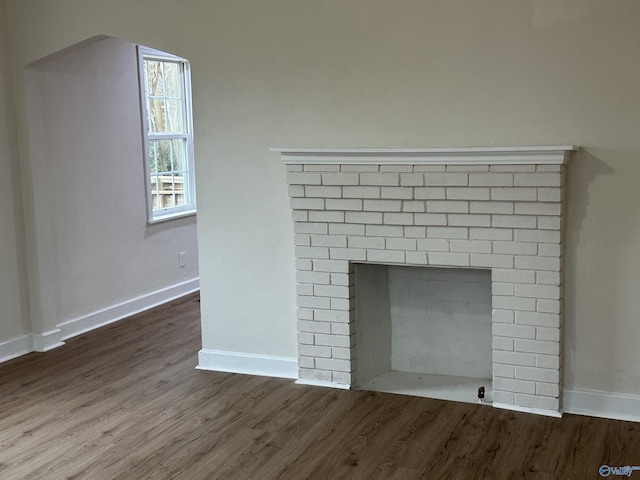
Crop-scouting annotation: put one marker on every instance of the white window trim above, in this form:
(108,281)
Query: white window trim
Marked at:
(182,210)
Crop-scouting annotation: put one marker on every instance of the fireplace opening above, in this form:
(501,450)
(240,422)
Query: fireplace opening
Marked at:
(424,331)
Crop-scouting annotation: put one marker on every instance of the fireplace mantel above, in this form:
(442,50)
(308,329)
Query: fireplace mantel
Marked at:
(547,155)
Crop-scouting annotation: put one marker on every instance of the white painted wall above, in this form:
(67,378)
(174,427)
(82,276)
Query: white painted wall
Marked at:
(380,73)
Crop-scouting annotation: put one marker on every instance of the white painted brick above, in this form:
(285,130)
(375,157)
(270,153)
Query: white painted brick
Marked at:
(433,244)
(491,180)
(413,206)
(340,178)
(352,254)
(342,329)
(342,353)
(515,248)
(479,233)
(451,206)
(331,291)
(448,232)
(502,316)
(396,168)
(429,168)
(342,304)
(515,276)
(538,319)
(401,243)
(503,288)
(328,241)
(502,343)
(384,231)
(430,219)
(533,401)
(548,361)
(549,223)
(415,232)
(383,205)
(448,179)
(342,378)
(313,302)
(333,364)
(504,208)
(317,375)
(358,168)
(548,306)
(296,191)
(307,203)
(324,216)
(550,168)
(470,246)
(313,327)
(513,168)
(514,303)
(333,340)
(304,314)
(467,168)
(506,398)
(491,260)
(321,228)
(305,338)
(412,179)
(331,266)
(547,389)
(429,193)
(538,346)
(302,240)
(379,179)
(514,331)
(468,220)
(385,256)
(343,204)
(416,258)
(505,371)
(363,217)
(551,292)
(538,263)
(466,193)
(303,264)
(550,195)
(536,208)
(314,351)
(312,252)
(304,289)
(299,215)
(398,218)
(321,167)
(399,193)
(513,221)
(323,192)
(366,242)
(294,178)
(361,192)
(450,259)
(513,385)
(514,358)
(499,193)
(548,278)
(345,229)
(306,362)
(332,316)
(537,180)
(548,334)
(294,168)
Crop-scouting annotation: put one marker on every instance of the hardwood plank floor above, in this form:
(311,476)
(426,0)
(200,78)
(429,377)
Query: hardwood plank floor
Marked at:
(125,402)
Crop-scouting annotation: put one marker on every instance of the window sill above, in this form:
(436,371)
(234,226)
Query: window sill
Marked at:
(171,216)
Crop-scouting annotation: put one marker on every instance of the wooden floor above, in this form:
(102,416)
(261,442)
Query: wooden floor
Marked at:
(125,402)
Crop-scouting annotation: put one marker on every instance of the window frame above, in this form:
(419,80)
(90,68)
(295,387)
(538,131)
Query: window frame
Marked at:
(189,208)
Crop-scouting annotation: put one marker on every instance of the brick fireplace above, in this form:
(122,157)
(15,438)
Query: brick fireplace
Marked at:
(492,209)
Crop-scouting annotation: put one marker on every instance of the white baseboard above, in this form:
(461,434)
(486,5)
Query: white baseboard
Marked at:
(16,347)
(537,411)
(238,362)
(594,403)
(100,318)
(320,383)
(43,342)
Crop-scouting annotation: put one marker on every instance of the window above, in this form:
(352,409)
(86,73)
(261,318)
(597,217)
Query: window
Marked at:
(165,93)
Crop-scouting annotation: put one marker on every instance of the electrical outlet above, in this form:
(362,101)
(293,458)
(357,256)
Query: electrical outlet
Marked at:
(182,259)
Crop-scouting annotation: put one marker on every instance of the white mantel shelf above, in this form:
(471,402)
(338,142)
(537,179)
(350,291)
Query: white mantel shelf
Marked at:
(553,155)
